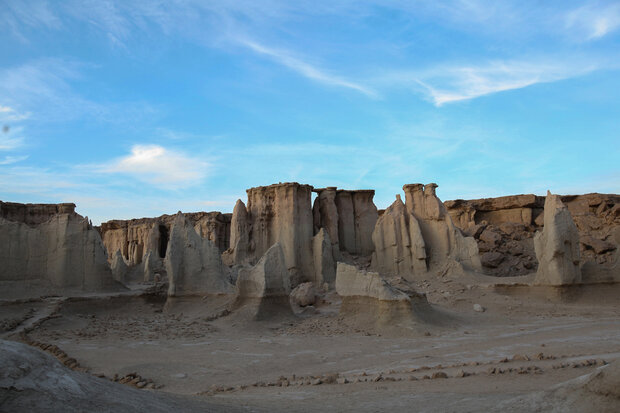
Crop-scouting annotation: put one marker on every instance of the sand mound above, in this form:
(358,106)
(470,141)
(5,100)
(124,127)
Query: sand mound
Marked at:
(31,380)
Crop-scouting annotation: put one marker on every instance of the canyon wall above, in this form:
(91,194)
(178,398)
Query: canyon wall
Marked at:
(52,246)
(504,228)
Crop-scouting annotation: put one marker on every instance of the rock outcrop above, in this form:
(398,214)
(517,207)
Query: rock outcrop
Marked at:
(506,226)
(119,267)
(369,299)
(557,246)
(324,263)
(262,291)
(193,263)
(399,244)
(135,238)
(357,216)
(59,249)
(443,241)
(279,213)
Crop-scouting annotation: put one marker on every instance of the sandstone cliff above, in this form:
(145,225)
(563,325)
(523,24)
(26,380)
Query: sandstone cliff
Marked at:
(51,246)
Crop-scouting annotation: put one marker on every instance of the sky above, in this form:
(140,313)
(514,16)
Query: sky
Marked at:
(138,108)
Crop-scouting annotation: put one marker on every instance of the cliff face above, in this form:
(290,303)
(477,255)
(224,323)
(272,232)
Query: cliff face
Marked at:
(52,245)
(137,237)
(504,228)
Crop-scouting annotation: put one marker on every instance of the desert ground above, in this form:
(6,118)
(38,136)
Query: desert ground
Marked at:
(527,340)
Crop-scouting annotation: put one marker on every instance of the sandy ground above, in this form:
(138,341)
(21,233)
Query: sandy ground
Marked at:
(527,340)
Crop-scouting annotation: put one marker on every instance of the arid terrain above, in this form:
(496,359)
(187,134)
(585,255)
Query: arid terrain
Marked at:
(294,321)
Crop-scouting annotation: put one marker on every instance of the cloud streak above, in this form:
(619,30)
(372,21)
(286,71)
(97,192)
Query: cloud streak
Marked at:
(594,22)
(450,84)
(305,69)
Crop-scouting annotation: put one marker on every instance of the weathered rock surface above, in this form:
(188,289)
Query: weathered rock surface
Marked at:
(399,244)
(557,246)
(193,263)
(324,264)
(279,213)
(60,250)
(357,216)
(325,215)
(369,299)
(263,289)
(33,381)
(516,218)
(444,242)
(304,294)
(119,268)
(137,237)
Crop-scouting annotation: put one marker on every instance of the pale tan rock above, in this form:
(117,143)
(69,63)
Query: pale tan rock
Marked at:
(63,251)
(324,263)
(443,241)
(325,214)
(352,282)
(557,246)
(193,263)
(304,294)
(399,245)
(119,267)
(239,236)
(357,216)
(279,213)
(262,291)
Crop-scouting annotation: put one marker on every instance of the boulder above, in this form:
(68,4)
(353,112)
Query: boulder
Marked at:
(399,245)
(304,295)
(491,259)
(557,246)
(193,263)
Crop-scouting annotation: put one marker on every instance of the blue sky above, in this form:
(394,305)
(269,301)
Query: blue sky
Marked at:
(139,108)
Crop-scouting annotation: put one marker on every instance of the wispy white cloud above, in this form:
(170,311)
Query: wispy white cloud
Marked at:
(8,114)
(594,21)
(446,84)
(11,138)
(157,165)
(8,160)
(305,69)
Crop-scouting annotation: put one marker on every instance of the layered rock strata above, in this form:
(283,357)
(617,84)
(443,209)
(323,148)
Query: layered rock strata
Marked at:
(279,213)
(135,238)
(58,248)
(557,246)
(193,263)
(504,228)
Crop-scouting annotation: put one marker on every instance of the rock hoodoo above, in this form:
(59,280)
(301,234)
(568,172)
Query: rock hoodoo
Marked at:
(399,244)
(193,263)
(557,246)
(278,213)
(51,246)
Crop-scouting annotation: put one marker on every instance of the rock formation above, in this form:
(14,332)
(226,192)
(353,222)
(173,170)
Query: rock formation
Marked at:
(119,267)
(357,216)
(326,216)
(263,289)
(505,227)
(57,249)
(399,244)
(135,238)
(193,263)
(278,213)
(557,246)
(370,299)
(443,241)
(324,264)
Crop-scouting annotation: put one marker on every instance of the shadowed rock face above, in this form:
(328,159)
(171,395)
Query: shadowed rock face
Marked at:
(557,246)
(63,251)
(399,245)
(279,213)
(193,263)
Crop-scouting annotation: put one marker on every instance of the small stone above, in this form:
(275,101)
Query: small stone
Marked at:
(316,382)
(439,375)
(478,308)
